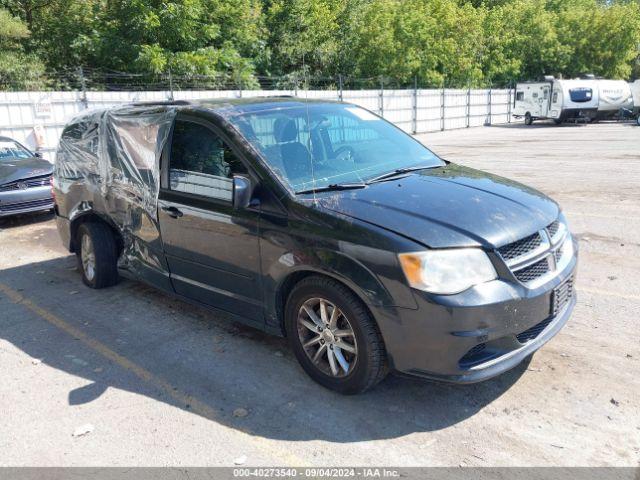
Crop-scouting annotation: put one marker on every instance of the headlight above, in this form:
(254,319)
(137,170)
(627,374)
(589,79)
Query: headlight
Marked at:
(447,271)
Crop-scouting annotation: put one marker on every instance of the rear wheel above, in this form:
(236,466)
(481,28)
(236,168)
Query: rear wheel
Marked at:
(528,119)
(97,255)
(557,121)
(334,337)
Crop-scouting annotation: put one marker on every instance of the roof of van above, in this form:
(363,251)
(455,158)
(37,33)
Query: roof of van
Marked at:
(223,106)
(225,103)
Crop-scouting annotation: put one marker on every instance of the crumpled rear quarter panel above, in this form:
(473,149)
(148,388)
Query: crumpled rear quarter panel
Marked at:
(108,163)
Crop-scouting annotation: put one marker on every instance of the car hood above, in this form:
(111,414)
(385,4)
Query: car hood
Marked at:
(450,206)
(21,168)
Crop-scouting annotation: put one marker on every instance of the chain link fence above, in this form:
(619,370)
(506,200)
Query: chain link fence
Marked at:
(37,114)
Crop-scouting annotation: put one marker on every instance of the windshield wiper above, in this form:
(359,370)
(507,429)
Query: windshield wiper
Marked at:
(333,187)
(398,171)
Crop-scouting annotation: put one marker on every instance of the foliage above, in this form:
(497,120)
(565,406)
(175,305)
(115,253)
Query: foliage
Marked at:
(451,42)
(17,68)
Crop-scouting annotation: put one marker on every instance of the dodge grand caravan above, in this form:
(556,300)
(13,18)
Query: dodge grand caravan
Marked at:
(321,222)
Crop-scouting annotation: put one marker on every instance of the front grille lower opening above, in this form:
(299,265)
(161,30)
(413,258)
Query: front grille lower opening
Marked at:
(480,353)
(533,332)
(533,272)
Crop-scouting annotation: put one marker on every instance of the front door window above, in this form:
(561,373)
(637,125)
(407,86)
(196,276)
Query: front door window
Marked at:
(201,163)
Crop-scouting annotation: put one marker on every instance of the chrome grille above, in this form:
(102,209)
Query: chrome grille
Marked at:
(12,207)
(553,228)
(533,259)
(28,183)
(557,254)
(533,271)
(521,247)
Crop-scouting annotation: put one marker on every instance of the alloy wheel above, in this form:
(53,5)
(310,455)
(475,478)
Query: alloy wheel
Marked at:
(327,337)
(88,257)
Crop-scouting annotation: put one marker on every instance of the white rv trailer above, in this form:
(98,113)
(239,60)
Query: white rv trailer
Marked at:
(635,93)
(613,95)
(556,99)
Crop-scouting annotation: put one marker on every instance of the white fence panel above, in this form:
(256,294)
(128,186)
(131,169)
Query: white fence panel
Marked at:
(37,118)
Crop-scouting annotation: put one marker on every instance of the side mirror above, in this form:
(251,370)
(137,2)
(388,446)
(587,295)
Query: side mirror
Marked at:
(37,154)
(242,191)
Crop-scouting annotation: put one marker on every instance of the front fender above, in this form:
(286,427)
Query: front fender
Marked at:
(343,268)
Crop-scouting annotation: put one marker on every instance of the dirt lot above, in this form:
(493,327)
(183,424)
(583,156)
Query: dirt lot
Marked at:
(157,381)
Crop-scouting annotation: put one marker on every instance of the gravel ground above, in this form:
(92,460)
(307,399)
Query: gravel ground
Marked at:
(127,376)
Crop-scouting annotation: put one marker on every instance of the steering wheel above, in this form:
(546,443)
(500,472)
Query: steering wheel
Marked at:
(345,153)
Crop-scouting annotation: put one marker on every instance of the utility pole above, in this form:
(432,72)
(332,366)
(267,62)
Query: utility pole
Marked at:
(442,100)
(381,97)
(468,105)
(489,107)
(83,87)
(509,106)
(170,86)
(414,128)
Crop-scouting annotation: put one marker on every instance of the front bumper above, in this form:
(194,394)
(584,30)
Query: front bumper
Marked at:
(25,201)
(477,334)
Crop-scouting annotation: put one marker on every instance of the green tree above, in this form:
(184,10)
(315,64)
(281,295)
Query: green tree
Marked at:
(310,36)
(452,42)
(17,68)
(521,42)
(188,37)
(438,41)
(600,38)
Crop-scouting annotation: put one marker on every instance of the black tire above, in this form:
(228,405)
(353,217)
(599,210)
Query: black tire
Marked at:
(638,121)
(557,121)
(105,271)
(528,119)
(370,365)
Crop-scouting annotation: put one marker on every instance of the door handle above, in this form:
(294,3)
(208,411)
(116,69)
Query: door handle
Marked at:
(172,212)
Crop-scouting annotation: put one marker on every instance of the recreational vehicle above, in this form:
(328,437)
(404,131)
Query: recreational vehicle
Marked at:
(635,94)
(613,96)
(557,100)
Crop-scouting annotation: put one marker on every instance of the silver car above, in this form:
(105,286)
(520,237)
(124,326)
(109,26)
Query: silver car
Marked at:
(25,180)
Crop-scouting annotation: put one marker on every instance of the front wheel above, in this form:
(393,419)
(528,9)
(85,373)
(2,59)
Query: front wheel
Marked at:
(334,337)
(528,119)
(638,121)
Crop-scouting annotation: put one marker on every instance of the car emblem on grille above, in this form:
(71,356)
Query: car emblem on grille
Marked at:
(22,185)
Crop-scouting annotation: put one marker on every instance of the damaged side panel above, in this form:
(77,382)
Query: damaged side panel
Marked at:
(107,165)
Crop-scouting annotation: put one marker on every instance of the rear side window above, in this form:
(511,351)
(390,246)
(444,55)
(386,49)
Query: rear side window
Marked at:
(201,163)
(520,96)
(83,135)
(580,94)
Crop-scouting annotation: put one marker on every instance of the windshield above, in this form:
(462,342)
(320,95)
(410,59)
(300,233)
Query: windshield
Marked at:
(10,150)
(319,145)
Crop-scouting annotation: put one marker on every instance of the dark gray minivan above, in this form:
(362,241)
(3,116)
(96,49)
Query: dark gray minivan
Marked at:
(322,222)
